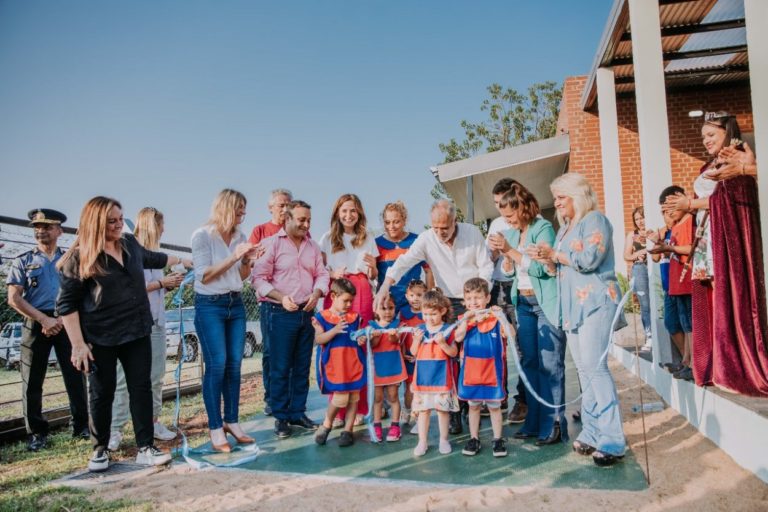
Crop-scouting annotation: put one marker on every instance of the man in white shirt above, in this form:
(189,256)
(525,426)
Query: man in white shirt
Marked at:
(455,252)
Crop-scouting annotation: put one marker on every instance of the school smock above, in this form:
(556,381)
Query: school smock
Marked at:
(388,362)
(482,361)
(340,363)
(434,368)
(409,318)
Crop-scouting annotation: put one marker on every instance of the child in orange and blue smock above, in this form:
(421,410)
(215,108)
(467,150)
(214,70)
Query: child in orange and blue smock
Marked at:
(481,377)
(408,318)
(433,383)
(388,360)
(340,363)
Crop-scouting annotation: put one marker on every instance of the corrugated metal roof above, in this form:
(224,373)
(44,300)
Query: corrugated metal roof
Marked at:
(719,39)
(725,10)
(715,61)
(685,13)
(682,14)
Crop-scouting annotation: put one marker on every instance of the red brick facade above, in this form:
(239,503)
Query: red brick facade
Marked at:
(686,153)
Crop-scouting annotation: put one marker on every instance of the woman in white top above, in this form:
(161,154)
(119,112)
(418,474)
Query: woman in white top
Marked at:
(349,251)
(222,258)
(150,225)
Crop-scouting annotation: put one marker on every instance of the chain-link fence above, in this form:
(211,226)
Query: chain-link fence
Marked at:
(17,238)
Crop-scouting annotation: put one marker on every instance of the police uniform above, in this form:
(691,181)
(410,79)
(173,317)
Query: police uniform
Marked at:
(39,279)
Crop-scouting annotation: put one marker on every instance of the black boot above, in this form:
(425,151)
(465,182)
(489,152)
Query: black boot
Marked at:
(455,424)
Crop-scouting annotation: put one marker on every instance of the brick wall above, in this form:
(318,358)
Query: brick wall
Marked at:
(584,132)
(686,152)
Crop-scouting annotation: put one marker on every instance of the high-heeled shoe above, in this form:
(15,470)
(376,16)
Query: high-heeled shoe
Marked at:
(583,448)
(553,438)
(244,439)
(223,448)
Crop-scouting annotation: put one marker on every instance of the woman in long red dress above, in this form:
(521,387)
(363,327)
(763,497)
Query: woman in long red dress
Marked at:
(729,314)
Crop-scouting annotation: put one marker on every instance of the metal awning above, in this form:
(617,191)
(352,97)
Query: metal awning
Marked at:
(704,43)
(534,165)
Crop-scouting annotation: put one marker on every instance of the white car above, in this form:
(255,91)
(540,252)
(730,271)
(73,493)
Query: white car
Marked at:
(10,346)
(174,328)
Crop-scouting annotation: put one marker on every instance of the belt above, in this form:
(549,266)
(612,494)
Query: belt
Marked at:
(301,306)
(526,293)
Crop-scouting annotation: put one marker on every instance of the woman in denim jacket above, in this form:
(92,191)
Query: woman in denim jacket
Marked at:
(583,258)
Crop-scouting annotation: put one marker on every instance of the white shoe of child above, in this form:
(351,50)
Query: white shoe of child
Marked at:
(445,447)
(420,450)
(415,429)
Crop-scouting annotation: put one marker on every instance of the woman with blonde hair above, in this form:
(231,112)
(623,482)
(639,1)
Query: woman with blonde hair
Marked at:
(394,242)
(223,257)
(583,260)
(150,225)
(105,310)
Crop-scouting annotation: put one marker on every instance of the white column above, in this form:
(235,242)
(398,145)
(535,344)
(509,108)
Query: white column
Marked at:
(756,14)
(653,129)
(609,148)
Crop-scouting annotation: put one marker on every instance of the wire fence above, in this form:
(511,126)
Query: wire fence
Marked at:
(17,238)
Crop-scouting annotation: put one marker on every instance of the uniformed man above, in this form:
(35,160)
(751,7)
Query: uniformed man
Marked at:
(33,283)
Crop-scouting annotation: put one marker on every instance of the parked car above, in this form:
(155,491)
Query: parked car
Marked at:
(10,346)
(175,323)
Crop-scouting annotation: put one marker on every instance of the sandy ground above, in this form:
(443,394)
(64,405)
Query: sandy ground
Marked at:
(688,472)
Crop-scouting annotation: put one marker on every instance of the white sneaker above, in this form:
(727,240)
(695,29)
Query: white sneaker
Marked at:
(445,447)
(162,433)
(115,438)
(337,423)
(151,456)
(405,418)
(99,461)
(420,450)
(415,429)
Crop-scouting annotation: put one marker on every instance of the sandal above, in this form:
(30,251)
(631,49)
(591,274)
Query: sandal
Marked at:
(583,448)
(603,459)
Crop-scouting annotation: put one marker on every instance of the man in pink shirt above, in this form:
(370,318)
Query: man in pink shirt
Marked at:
(292,277)
(278,200)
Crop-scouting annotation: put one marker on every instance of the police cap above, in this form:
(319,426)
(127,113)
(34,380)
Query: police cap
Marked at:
(46,216)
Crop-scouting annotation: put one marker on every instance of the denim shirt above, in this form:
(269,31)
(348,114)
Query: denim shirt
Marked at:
(589,282)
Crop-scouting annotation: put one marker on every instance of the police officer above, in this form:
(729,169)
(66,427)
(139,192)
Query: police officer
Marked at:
(33,283)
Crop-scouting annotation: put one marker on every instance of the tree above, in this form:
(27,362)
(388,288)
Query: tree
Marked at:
(513,119)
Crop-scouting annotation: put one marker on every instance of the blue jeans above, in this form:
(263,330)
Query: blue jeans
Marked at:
(600,414)
(220,325)
(292,339)
(640,273)
(542,347)
(264,309)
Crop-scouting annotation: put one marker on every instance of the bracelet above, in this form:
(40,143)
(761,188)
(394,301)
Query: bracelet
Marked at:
(160,283)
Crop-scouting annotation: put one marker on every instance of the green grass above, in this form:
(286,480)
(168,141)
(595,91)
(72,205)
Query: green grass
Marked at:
(25,477)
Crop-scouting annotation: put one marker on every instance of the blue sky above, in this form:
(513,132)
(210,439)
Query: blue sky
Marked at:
(164,102)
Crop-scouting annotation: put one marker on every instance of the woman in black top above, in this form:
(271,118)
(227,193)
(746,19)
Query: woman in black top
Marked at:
(105,310)
(636,254)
